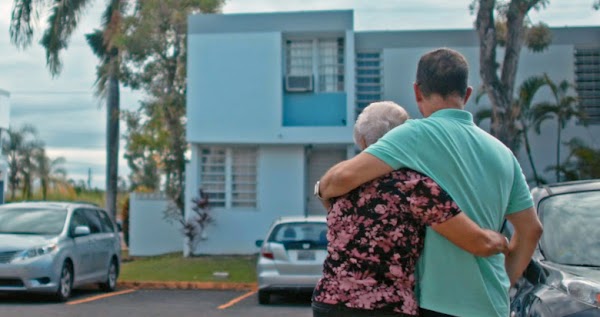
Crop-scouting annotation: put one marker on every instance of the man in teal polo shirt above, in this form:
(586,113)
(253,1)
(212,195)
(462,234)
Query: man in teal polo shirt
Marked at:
(480,173)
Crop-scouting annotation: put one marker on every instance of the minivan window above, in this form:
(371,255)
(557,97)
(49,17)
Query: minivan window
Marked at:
(39,221)
(107,225)
(93,221)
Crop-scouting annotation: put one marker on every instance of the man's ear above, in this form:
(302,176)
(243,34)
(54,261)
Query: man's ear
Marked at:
(467,95)
(418,93)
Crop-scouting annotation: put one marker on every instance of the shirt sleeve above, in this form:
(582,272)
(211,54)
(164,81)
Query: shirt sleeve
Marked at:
(397,147)
(520,196)
(430,204)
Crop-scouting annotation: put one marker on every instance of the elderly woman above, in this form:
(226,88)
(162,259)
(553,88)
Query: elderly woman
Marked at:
(377,231)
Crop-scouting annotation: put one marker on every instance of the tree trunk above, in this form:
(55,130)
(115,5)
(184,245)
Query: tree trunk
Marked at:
(44,185)
(530,156)
(500,89)
(112,144)
(559,132)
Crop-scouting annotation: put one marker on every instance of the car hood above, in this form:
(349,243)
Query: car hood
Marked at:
(591,274)
(15,242)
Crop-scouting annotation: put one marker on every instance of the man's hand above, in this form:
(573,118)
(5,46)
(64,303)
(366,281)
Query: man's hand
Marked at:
(347,175)
(499,243)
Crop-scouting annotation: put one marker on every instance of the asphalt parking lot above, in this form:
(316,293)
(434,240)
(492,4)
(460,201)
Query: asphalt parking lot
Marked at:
(132,302)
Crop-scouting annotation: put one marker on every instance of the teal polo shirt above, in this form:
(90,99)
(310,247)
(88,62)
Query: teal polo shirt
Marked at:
(485,180)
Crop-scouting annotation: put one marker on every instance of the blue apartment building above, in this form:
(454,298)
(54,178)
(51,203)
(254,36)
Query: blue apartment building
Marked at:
(272,98)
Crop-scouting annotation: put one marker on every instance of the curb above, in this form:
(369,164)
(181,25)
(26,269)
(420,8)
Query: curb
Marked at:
(189,285)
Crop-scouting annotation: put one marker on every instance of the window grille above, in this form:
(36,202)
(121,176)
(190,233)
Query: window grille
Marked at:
(587,82)
(228,176)
(369,79)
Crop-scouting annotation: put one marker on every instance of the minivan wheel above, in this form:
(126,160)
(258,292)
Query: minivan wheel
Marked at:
(264,298)
(110,284)
(65,283)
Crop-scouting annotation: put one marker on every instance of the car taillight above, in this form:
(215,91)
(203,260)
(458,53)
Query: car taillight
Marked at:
(267,255)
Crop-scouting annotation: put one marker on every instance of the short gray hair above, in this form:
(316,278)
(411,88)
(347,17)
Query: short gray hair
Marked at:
(377,119)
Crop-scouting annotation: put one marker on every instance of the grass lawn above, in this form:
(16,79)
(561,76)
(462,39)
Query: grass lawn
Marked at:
(174,267)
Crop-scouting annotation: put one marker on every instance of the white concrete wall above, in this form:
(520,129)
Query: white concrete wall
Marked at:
(234,87)
(281,192)
(235,92)
(149,233)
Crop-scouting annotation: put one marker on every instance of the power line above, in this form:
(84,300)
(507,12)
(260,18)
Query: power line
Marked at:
(60,92)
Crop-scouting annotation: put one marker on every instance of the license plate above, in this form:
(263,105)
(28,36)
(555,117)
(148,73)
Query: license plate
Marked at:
(304,255)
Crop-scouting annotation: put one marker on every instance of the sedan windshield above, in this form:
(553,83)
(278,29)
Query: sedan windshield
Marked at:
(571,228)
(38,221)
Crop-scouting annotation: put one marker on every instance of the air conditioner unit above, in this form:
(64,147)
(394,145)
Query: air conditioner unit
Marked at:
(296,83)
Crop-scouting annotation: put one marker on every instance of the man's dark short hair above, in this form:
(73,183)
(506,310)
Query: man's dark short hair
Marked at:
(444,72)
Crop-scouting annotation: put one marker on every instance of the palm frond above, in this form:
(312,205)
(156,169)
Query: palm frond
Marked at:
(21,29)
(564,86)
(61,25)
(480,93)
(529,88)
(95,41)
(481,115)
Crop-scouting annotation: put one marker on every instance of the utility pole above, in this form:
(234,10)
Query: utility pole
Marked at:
(89,178)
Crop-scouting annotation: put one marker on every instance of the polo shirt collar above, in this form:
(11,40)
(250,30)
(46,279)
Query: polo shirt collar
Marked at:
(453,114)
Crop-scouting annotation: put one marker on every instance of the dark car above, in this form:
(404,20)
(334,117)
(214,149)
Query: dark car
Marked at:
(563,277)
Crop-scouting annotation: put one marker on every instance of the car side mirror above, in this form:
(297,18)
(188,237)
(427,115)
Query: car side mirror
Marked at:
(259,243)
(120,225)
(81,231)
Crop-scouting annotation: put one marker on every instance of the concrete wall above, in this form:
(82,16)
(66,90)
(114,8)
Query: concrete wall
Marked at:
(400,66)
(280,193)
(235,78)
(149,233)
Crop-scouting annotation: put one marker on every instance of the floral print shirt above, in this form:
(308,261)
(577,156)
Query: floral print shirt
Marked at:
(375,237)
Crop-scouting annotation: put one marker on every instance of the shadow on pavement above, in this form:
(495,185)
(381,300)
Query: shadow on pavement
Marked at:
(41,299)
(302,299)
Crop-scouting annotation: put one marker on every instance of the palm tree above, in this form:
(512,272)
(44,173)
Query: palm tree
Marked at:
(583,162)
(49,171)
(61,24)
(522,113)
(28,167)
(563,109)
(104,45)
(17,144)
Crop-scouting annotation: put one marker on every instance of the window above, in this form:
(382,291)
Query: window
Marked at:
(212,174)
(107,224)
(369,79)
(299,58)
(93,221)
(228,176)
(323,57)
(587,81)
(331,65)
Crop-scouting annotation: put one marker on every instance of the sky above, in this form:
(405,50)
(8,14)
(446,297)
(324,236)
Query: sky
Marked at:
(72,121)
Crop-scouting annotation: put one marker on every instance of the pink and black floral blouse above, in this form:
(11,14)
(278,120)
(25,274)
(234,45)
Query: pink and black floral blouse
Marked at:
(376,234)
